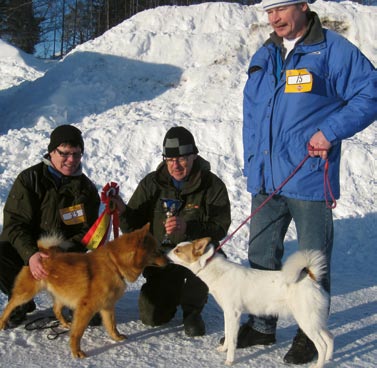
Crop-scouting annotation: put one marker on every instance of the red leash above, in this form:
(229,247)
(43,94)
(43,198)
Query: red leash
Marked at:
(326,187)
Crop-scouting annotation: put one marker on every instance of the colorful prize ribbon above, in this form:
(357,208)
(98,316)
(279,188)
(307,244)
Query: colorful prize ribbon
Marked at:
(99,233)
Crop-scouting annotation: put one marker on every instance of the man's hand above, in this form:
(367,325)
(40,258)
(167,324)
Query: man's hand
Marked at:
(118,202)
(175,224)
(36,267)
(319,145)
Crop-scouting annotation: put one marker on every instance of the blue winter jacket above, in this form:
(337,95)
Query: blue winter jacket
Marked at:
(278,125)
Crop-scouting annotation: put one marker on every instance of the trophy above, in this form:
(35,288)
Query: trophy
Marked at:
(171,208)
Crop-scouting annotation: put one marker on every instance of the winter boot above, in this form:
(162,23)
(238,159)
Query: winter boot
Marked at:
(247,337)
(152,314)
(302,350)
(19,314)
(194,325)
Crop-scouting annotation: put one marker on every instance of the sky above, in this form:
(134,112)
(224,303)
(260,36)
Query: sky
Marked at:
(182,66)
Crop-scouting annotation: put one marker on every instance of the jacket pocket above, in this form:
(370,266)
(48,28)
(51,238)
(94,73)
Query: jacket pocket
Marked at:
(315,164)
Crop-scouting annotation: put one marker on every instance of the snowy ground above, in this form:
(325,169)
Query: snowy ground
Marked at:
(186,66)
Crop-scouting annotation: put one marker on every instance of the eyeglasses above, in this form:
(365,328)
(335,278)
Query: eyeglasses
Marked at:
(179,160)
(75,155)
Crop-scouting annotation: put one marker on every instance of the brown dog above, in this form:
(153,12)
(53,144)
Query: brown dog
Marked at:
(88,283)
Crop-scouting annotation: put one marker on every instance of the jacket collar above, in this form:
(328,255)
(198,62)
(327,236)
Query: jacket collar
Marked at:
(47,161)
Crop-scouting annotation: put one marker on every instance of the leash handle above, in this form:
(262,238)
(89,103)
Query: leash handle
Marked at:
(43,323)
(326,181)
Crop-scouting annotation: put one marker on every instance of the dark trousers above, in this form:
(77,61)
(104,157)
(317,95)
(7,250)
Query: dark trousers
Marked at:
(168,287)
(10,265)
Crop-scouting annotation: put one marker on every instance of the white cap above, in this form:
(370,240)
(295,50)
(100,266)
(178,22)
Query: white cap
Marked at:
(269,4)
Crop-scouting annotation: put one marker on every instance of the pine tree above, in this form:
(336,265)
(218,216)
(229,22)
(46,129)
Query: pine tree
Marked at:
(19,27)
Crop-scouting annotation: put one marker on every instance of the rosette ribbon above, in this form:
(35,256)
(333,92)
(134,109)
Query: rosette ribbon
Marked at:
(100,231)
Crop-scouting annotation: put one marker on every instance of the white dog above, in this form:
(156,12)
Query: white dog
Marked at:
(293,291)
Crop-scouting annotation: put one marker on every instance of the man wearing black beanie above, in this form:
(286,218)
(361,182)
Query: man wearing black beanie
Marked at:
(183,200)
(53,196)
(66,134)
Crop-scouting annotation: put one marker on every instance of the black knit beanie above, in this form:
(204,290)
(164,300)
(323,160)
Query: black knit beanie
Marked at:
(67,134)
(178,141)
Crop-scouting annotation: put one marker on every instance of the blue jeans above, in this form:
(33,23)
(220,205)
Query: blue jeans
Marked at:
(314,227)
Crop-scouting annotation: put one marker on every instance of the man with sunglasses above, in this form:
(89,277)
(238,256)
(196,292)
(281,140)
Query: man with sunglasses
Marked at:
(204,210)
(53,196)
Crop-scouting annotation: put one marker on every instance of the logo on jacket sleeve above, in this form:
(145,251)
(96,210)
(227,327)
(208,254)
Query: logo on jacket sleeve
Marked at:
(192,206)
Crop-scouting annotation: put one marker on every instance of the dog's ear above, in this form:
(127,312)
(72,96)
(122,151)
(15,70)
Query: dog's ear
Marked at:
(200,246)
(144,230)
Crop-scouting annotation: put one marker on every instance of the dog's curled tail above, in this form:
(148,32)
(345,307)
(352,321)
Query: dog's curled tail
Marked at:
(49,241)
(311,263)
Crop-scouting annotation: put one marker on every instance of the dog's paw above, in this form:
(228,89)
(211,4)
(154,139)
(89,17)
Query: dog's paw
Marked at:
(66,325)
(221,348)
(3,325)
(315,365)
(229,362)
(79,354)
(120,337)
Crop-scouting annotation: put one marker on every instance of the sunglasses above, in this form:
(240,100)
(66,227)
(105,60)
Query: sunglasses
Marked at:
(180,160)
(63,154)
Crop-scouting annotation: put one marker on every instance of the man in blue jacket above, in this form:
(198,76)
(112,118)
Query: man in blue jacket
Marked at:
(307,87)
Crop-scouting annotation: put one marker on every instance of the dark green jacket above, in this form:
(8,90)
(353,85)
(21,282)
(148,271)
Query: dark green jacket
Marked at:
(205,208)
(33,209)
